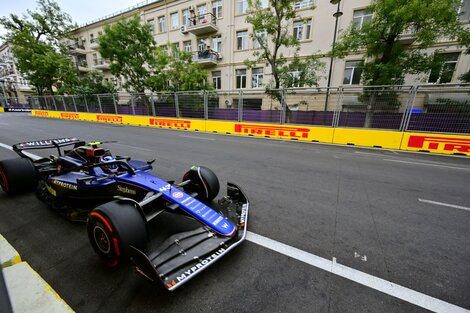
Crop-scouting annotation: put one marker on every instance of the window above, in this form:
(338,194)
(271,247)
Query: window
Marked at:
(361,17)
(217,79)
(302,29)
(295,78)
(202,45)
(201,11)
(260,36)
(302,4)
(92,38)
(464,10)
(241,78)
(257,77)
(242,40)
(217,8)
(164,48)
(352,73)
(264,4)
(187,46)
(298,30)
(186,17)
(242,6)
(152,25)
(445,73)
(174,20)
(161,24)
(175,48)
(217,43)
(95,59)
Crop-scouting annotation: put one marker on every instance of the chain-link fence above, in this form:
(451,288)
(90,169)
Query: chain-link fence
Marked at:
(427,108)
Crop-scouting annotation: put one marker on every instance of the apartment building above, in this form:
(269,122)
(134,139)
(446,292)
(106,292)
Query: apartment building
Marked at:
(14,87)
(217,34)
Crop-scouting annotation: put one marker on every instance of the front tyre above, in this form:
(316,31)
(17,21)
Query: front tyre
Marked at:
(203,181)
(113,227)
(18,176)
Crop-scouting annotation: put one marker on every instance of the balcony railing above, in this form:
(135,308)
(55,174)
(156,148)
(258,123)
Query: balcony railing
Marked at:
(203,24)
(207,57)
(101,63)
(77,48)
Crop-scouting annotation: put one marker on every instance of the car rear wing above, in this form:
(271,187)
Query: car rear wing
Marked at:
(46,144)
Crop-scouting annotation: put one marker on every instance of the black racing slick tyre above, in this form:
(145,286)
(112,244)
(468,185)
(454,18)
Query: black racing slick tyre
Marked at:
(113,227)
(204,182)
(18,176)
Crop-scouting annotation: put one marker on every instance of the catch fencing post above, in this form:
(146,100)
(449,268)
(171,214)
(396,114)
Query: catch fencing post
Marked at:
(74,104)
(99,103)
(177,106)
(240,106)
(63,102)
(133,104)
(86,104)
(206,106)
(115,104)
(53,101)
(152,104)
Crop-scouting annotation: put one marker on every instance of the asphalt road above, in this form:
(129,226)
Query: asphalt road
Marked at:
(360,207)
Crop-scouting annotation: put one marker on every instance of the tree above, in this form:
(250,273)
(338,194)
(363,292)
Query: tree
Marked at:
(397,38)
(271,32)
(36,46)
(94,83)
(176,71)
(129,45)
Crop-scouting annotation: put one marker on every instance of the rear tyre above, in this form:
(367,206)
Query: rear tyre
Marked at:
(18,176)
(203,181)
(112,228)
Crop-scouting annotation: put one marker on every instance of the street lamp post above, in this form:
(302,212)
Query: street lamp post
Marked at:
(336,15)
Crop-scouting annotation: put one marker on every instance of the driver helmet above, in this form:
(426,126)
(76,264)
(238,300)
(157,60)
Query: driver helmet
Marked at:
(110,168)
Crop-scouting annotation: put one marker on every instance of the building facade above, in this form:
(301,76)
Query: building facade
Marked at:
(217,34)
(15,89)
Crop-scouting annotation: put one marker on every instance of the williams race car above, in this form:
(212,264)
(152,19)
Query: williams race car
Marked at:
(118,198)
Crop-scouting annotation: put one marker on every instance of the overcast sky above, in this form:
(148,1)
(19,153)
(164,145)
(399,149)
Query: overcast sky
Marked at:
(81,11)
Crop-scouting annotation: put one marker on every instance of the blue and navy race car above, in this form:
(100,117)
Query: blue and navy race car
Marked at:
(118,198)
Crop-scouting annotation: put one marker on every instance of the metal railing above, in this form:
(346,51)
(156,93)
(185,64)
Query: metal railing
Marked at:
(426,108)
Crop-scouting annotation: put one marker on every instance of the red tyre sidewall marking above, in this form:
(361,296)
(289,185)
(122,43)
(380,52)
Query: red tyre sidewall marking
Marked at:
(4,179)
(108,225)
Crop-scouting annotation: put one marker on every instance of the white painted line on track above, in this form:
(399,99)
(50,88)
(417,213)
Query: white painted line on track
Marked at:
(195,137)
(444,204)
(362,278)
(6,146)
(429,164)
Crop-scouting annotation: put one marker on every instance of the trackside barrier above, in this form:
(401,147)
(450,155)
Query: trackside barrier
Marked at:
(2,109)
(425,142)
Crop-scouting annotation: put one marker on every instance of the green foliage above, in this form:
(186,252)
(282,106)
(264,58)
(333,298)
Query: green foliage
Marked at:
(271,29)
(129,46)
(466,77)
(175,71)
(38,53)
(388,58)
(94,83)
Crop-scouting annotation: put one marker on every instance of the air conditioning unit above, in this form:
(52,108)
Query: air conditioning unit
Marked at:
(184,29)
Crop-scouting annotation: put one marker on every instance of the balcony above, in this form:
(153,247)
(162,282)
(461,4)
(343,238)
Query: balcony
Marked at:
(101,64)
(203,24)
(94,44)
(82,66)
(408,36)
(206,58)
(77,48)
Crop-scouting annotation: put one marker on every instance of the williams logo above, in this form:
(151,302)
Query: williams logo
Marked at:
(127,190)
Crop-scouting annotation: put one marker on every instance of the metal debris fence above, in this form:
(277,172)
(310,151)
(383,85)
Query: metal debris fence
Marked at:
(424,108)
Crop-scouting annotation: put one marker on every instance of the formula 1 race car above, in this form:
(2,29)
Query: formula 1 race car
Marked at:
(118,198)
